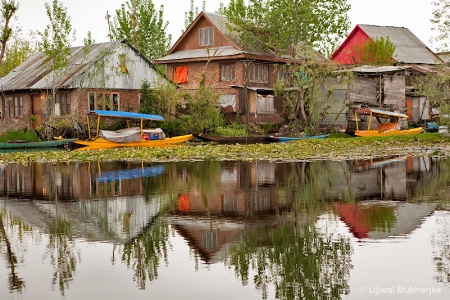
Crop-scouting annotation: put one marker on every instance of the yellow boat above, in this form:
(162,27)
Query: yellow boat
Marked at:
(389,123)
(128,137)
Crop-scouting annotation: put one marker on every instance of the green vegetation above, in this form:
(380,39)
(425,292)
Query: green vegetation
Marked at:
(434,144)
(23,135)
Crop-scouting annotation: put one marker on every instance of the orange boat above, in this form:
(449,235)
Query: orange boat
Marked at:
(389,123)
(128,137)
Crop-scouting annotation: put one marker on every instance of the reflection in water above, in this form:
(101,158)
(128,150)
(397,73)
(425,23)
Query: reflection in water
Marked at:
(287,229)
(7,221)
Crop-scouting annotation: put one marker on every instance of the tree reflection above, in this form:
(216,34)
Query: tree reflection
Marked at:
(440,239)
(144,253)
(63,253)
(15,281)
(301,263)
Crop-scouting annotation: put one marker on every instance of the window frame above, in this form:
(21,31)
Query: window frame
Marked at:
(98,101)
(15,108)
(206,36)
(227,72)
(64,99)
(259,73)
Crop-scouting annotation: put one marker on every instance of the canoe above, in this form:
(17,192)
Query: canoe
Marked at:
(127,137)
(31,145)
(288,138)
(390,126)
(248,139)
(101,143)
(369,133)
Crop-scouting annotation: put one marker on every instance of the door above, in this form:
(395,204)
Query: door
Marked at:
(36,108)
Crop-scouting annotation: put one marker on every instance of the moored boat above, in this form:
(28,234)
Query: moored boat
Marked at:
(288,138)
(33,145)
(389,123)
(246,139)
(128,137)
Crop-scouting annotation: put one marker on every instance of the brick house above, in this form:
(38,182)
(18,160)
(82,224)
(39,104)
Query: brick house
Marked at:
(100,76)
(209,46)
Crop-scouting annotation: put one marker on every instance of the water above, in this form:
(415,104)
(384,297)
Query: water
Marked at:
(226,230)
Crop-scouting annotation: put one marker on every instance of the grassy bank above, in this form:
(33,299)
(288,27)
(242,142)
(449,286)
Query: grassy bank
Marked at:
(433,144)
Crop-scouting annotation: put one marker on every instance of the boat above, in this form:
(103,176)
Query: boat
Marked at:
(245,139)
(388,123)
(288,138)
(128,137)
(22,144)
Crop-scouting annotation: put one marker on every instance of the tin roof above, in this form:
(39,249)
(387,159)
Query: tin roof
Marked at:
(408,48)
(35,74)
(202,53)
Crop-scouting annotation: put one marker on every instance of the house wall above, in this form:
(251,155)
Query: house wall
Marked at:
(233,88)
(129,100)
(394,91)
(15,123)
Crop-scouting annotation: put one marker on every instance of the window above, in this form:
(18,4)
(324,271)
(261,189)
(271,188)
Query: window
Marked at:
(103,101)
(206,36)
(228,72)
(62,104)
(281,72)
(13,106)
(259,72)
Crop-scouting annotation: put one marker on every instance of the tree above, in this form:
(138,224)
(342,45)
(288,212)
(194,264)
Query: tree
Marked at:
(56,40)
(190,15)
(8,9)
(19,50)
(378,51)
(441,24)
(139,23)
(292,28)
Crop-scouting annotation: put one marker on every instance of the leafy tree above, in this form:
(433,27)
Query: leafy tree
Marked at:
(138,22)
(190,15)
(435,87)
(55,42)
(19,50)
(293,28)
(7,10)
(375,52)
(441,24)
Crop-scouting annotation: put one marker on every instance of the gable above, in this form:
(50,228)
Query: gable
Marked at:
(408,48)
(191,39)
(345,54)
(34,74)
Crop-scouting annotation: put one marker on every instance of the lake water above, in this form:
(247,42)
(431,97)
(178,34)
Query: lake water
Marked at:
(367,229)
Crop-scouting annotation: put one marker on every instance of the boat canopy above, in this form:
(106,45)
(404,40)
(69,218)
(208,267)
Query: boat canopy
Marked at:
(125,115)
(369,111)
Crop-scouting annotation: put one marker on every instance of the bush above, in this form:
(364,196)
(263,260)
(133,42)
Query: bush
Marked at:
(21,134)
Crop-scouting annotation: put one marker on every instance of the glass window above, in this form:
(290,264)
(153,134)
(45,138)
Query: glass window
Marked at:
(206,36)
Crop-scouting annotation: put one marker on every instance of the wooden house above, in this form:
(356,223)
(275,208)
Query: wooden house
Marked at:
(388,87)
(236,72)
(100,76)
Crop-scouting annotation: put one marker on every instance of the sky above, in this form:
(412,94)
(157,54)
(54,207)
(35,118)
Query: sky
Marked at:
(89,15)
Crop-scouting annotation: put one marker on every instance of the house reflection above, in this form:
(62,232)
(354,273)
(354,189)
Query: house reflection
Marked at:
(74,181)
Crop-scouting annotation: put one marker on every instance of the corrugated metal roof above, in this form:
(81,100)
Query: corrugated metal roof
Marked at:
(387,69)
(202,53)
(34,73)
(408,48)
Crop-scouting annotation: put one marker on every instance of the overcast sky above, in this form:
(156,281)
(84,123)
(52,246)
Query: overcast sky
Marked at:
(89,15)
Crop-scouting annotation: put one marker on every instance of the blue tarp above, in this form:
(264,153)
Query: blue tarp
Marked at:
(125,115)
